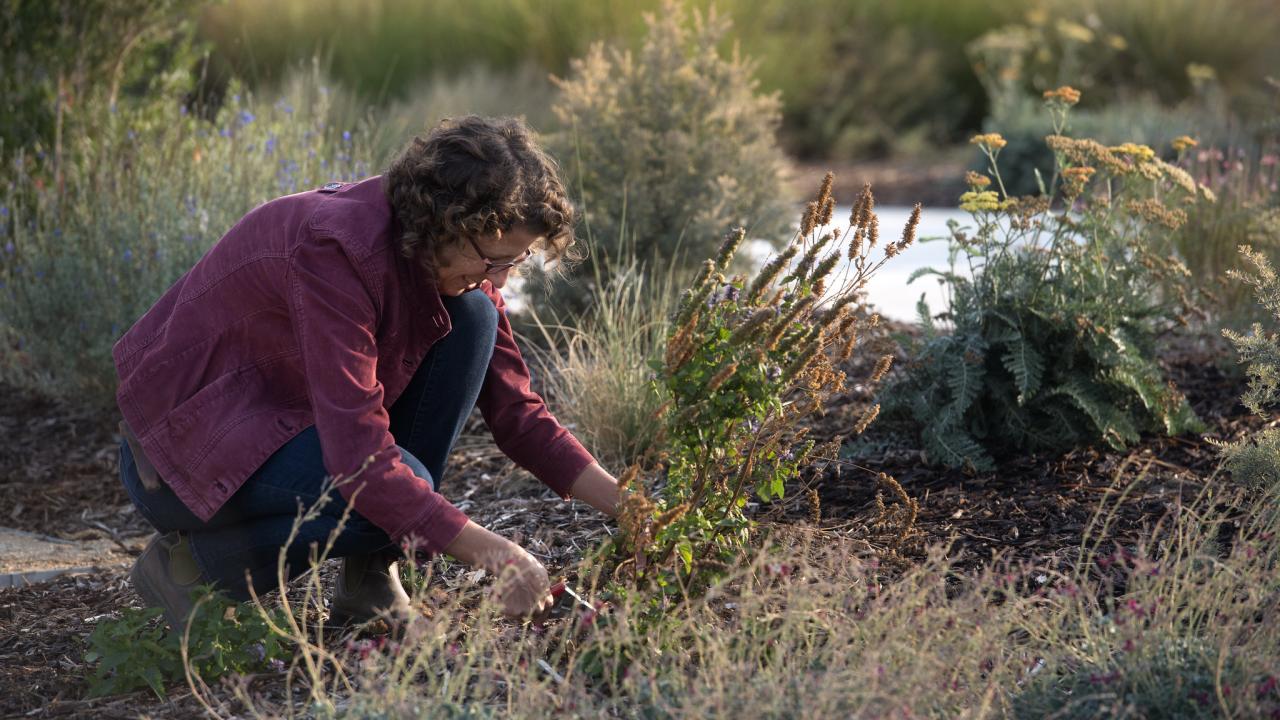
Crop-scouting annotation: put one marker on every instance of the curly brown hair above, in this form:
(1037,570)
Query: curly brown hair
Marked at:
(473,177)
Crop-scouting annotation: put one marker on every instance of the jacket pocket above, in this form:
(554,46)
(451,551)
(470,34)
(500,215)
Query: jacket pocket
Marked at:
(194,412)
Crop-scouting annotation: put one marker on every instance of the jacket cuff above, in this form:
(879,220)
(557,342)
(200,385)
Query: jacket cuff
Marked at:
(435,530)
(561,465)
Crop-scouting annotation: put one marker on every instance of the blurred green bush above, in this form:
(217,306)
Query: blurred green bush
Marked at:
(665,151)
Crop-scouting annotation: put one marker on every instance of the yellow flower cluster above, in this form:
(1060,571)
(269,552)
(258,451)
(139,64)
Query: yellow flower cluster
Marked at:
(989,141)
(1154,211)
(976,180)
(1139,153)
(1075,178)
(1066,95)
(976,201)
(1184,142)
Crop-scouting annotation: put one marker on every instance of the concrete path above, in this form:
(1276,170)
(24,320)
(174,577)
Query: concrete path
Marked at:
(27,557)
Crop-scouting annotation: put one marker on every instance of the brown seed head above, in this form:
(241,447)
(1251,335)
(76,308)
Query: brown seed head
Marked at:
(824,192)
(810,219)
(722,376)
(867,418)
(909,232)
(882,367)
(828,209)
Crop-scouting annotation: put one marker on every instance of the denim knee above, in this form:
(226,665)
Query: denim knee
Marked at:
(473,313)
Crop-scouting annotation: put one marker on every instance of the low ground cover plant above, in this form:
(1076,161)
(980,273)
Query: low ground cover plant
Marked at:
(1054,304)
(1128,629)
(132,651)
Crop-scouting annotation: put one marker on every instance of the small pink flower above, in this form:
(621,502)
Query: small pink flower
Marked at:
(1269,159)
(1267,686)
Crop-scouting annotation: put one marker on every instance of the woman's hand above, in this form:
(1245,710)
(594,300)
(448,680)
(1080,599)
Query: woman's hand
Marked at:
(523,586)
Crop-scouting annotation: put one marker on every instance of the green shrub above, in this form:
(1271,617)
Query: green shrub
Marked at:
(856,79)
(132,652)
(667,149)
(57,54)
(1053,314)
(86,247)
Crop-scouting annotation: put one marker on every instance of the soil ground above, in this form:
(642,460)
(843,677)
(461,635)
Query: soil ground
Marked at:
(59,477)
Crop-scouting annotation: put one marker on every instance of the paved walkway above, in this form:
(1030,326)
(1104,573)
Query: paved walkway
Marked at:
(27,557)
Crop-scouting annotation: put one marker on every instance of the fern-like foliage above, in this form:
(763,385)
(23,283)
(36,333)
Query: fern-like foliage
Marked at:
(1255,461)
(1054,315)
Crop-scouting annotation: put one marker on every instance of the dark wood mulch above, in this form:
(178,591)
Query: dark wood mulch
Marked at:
(58,465)
(1035,509)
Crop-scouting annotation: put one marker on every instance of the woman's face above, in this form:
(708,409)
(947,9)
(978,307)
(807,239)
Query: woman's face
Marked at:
(462,267)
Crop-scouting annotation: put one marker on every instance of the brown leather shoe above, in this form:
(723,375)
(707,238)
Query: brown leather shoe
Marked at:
(164,576)
(368,587)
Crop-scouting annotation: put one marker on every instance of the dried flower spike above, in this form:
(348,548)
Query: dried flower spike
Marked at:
(810,219)
(867,418)
(882,367)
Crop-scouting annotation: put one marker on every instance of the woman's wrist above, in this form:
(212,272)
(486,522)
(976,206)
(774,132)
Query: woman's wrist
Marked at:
(480,547)
(597,488)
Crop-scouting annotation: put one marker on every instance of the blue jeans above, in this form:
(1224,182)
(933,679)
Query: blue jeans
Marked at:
(248,532)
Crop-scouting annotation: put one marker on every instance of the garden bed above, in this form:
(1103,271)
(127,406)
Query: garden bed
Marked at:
(1035,510)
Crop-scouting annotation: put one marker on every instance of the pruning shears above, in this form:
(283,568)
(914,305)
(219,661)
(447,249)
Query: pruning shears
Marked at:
(566,600)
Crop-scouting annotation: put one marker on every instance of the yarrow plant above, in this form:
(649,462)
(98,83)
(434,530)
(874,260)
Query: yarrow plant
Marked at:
(1054,302)
(746,360)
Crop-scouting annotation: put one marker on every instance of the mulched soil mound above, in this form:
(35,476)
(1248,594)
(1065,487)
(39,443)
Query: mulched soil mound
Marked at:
(1034,510)
(58,465)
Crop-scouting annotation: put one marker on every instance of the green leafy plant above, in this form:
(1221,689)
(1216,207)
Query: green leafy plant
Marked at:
(666,149)
(746,361)
(1054,309)
(133,651)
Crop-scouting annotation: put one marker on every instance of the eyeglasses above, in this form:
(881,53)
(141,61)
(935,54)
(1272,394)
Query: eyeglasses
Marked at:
(493,268)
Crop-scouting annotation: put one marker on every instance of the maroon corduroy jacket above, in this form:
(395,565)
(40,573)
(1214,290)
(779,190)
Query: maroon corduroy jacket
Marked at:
(306,313)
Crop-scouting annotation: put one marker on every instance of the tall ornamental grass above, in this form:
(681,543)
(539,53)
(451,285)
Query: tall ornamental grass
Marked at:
(1247,211)
(593,370)
(87,246)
